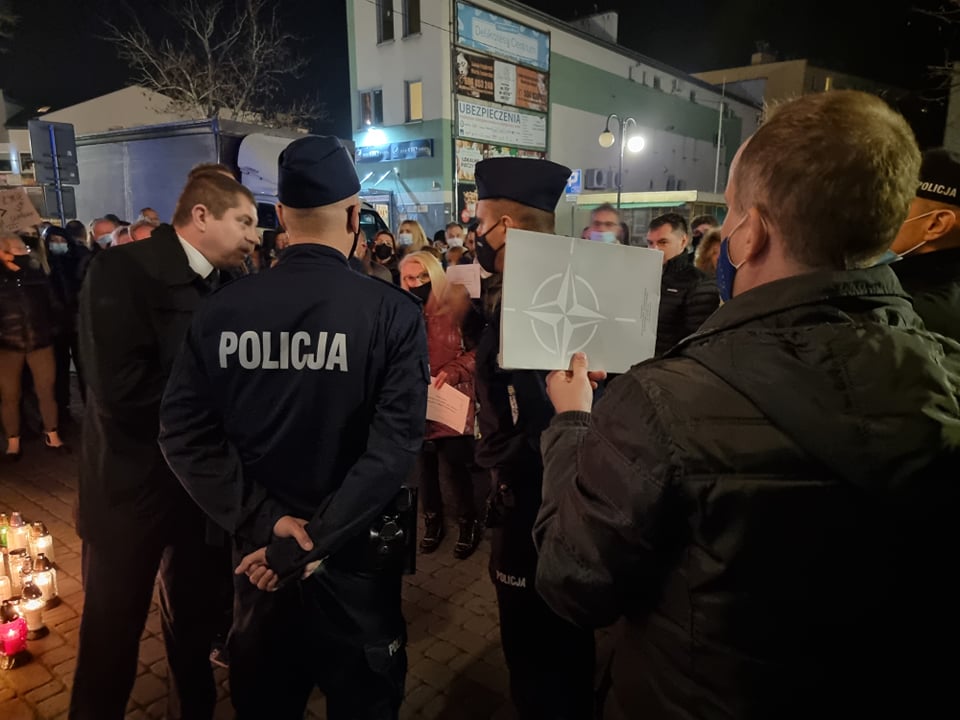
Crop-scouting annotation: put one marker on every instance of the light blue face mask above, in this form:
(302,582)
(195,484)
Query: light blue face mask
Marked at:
(891,257)
(58,248)
(405,239)
(606,236)
(105,240)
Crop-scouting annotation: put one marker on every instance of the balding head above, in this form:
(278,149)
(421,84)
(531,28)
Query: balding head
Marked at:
(832,174)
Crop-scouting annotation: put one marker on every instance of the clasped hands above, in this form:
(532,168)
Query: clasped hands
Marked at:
(255,566)
(572,390)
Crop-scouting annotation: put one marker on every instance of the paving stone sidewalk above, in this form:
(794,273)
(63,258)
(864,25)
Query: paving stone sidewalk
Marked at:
(456,664)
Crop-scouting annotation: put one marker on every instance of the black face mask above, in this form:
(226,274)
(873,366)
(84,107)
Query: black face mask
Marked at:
(383,252)
(486,255)
(422,292)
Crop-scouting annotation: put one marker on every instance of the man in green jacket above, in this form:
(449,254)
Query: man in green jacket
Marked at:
(770,506)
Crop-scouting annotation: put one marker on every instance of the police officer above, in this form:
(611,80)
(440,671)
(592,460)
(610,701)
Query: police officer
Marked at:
(551,662)
(293,416)
(928,244)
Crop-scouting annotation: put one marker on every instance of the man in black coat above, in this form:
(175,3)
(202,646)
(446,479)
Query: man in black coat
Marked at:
(929,244)
(293,416)
(771,506)
(687,295)
(133,516)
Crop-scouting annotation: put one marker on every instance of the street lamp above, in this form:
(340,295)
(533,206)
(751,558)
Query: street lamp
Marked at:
(634,144)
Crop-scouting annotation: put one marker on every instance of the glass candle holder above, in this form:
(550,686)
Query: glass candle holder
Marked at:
(18,534)
(45,577)
(41,541)
(13,634)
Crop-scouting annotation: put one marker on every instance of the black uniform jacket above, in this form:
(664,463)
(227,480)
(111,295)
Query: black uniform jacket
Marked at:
(135,308)
(514,407)
(933,280)
(770,507)
(300,391)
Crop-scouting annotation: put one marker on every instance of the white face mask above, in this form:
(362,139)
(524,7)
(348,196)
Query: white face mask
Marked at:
(406,239)
(607,236)
(455,241)
(920,244)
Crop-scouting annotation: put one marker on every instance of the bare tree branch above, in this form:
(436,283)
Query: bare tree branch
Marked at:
(229,56)
(8,20)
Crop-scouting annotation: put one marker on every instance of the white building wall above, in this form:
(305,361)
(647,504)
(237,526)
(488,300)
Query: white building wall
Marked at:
(390,65)
(573,142)
(603,58)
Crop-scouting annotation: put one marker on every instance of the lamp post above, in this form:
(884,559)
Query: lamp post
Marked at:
(634,144)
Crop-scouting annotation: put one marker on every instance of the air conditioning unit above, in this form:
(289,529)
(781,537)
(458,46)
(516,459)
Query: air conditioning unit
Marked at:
(596,179)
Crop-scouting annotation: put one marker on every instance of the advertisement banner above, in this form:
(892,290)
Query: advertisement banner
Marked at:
(532,90)
(484,78)
(475,76)
(409,150)
(500,125)
(469,153)
(494,34)
(466,202)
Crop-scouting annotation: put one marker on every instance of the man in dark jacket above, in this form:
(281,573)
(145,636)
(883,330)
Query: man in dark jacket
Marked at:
(68,260)
(134,517)
(687,295)
(293,416)
(551,661)
(771,504)
(929,244)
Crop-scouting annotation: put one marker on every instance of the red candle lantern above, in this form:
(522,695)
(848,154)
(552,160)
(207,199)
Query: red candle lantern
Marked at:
(13,635)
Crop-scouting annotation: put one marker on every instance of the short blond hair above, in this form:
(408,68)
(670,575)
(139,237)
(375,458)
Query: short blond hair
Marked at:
(438,279)
(834,173)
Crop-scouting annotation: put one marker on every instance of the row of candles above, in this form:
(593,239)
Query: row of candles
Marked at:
(28,585)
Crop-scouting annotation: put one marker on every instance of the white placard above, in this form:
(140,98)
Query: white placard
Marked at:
(17,213)
(501,125)
(466,275)
(447,406)
(563,295)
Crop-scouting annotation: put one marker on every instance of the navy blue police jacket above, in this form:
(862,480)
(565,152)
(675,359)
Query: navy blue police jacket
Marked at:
(299,391)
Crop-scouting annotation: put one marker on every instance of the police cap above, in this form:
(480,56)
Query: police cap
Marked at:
(528,181)
(940,176)
(315,171)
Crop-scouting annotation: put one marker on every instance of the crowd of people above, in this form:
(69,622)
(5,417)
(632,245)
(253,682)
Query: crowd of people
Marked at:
(765,506)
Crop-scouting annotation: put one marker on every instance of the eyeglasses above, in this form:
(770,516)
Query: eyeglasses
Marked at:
(423,278)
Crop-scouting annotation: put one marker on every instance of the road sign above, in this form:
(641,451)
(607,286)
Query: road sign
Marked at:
(575,183)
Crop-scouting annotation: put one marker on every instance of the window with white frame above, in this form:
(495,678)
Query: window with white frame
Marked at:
(411,17)
(384,20)
(371,108)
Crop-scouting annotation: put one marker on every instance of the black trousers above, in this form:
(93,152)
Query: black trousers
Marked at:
(118,579)
(64,347)
(447,460)
(551,662)
(340,630)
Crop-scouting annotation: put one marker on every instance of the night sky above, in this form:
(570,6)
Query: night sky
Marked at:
(56,57)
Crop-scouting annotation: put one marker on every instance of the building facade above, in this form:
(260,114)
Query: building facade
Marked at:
(767,80)
(438,85)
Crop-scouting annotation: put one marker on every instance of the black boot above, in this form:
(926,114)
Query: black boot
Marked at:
(468,540)
(432,534)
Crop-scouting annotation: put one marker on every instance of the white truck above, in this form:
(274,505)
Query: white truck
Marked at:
(122,171)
